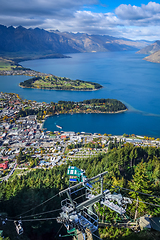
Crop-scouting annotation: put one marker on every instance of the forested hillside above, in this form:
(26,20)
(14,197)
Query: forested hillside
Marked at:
(63,107)
(129,167)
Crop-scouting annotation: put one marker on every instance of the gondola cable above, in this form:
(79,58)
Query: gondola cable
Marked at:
(33,215)
(38,205)
(34,220)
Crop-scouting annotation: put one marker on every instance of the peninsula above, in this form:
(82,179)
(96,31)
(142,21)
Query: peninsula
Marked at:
(44,80)
(65,107)
(11,67)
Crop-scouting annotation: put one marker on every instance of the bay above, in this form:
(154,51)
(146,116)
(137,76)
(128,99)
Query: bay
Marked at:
(124,75)
(115,124)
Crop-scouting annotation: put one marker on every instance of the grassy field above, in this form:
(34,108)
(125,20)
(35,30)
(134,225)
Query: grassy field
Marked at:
(7,65)
(60,83)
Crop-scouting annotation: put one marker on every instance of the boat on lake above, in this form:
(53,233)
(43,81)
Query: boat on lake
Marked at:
(58,126)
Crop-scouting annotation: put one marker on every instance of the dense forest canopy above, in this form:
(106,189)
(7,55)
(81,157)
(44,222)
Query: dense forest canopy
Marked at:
(62,107)
(129,167)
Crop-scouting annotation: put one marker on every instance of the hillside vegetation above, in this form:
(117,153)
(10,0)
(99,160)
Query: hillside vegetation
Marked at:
(59,83)
(128,166)
(87,106)
(8,65)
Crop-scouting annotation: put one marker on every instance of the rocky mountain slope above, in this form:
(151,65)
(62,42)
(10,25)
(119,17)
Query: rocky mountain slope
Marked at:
(21,40)
(153,51)
(154,47)
(155,57)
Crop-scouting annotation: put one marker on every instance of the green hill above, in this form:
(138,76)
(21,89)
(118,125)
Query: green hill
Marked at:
(59,83)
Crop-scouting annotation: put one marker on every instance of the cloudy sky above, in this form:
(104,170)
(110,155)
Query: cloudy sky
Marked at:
(130,19)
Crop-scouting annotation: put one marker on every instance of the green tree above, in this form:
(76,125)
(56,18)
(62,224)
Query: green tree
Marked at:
(19,157)
(141,183)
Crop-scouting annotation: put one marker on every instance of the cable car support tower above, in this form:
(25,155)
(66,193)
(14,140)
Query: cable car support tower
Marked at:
(77,210)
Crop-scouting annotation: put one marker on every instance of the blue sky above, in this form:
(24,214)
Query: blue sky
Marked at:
(111,5)
(115,3)
(124,19)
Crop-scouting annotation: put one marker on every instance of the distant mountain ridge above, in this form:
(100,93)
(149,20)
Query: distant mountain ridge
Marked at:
(153,51)
(154,47)
(22,40)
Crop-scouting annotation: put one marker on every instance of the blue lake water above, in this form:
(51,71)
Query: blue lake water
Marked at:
(124,75)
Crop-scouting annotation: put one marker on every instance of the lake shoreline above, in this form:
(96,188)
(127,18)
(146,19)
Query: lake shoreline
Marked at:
(120,111)
(124,76)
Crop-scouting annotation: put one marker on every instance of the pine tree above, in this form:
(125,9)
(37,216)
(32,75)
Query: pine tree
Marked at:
(141,183)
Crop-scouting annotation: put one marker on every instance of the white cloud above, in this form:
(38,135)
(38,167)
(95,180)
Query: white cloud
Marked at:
(85,21)
(69,15)
(152,7)
(150,33)
(129,12)
(146,13)
(42,7)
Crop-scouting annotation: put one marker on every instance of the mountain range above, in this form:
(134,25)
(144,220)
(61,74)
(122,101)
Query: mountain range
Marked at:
(153,51)
(150,49)
(21,41)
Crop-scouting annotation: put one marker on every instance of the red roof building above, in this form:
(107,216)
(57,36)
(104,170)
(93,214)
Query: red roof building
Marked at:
(4,165)
(63,137)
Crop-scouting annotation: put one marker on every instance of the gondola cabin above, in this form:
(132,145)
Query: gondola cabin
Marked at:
(75,174)
(18,225)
